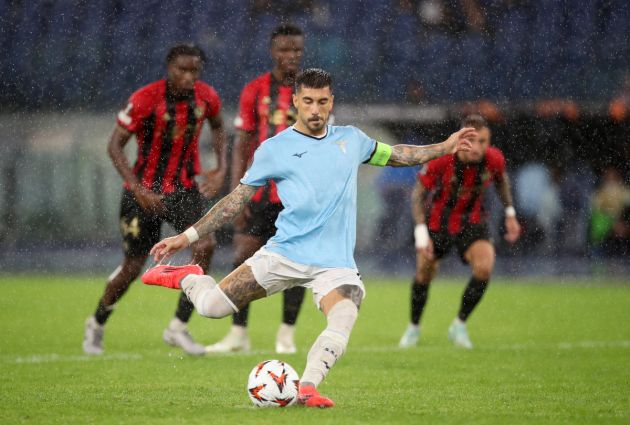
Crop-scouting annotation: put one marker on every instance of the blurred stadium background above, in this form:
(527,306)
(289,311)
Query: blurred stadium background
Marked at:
(552,76)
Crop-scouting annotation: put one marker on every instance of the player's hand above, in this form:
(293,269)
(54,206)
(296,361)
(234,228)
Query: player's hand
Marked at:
(512,229)
(427,252)
(169,246)
(148,200)
(212,182)
(460,140)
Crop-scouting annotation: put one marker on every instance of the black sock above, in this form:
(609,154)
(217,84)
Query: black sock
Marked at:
(419,295)
(103,312)
(184,308)
(472,295)
(240,318)
(292,302)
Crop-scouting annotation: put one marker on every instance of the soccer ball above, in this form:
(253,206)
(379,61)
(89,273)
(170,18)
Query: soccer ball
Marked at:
(273,383)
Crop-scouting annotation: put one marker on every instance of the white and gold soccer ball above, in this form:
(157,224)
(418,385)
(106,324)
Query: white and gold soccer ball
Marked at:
(273,383)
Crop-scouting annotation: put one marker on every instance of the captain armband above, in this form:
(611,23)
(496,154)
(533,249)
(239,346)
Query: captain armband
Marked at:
(381,154)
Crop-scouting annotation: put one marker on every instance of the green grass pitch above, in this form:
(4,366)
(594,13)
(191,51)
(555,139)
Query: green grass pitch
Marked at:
(550,352)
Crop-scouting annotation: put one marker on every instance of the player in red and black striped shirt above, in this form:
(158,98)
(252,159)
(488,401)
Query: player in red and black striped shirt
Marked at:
(166,117)
(265,109)
(455,186)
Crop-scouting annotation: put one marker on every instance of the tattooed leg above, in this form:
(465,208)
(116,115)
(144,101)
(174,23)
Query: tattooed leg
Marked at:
(234,292)
(241,287)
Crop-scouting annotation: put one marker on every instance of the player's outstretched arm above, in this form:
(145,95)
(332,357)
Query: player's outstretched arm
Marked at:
(221,213)
(410,155)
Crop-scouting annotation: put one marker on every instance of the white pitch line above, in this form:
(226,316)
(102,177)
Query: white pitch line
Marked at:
(60,358)
(511,347)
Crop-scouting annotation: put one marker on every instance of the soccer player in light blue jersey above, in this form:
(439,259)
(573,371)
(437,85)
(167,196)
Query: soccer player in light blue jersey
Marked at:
(314,166)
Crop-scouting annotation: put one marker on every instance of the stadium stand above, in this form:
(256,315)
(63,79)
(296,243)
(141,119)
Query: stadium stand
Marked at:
(66,50)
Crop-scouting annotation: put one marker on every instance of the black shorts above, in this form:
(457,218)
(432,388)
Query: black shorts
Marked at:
(141,229)
(262,220)
(443,241)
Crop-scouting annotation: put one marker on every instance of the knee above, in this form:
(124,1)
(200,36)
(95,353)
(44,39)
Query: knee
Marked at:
(483,271)
(425,274)
(207,297)
(424,278)
(132,267)
(215,304)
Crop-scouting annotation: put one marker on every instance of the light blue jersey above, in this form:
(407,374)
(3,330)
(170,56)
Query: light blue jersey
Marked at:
(317,183)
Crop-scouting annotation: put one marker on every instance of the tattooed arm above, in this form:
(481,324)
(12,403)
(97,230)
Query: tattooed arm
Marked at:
(221,213)
(409,155)
(225,210)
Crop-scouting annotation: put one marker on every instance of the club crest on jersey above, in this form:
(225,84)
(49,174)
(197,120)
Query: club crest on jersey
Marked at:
(166,117)
(199,112)
(266,100)
(342,145)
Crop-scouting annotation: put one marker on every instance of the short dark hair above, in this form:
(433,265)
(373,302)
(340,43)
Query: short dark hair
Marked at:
(185,49)
(313,78)
(285,29)
(474,120)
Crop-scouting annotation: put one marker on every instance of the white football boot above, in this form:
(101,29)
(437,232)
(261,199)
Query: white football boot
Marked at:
(284,339)
(458,334)
(410,337)
(236,340)
(93,337)
(176,334)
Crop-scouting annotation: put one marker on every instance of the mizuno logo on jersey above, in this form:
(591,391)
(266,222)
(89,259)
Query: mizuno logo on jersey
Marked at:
(299,155)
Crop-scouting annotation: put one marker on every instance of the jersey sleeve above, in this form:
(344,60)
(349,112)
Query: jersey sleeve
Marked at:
(214,102)
(246,118)
(429,175)
(497,162)
(367,146)
(139,107)
(263,167)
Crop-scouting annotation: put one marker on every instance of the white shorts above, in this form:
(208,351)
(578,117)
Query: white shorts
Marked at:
(275,273)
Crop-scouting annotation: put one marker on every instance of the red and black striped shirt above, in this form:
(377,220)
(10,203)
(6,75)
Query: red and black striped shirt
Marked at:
(456,189)
(167,129)
(266,107)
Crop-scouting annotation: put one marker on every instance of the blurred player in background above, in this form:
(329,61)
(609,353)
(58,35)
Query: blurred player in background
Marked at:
(456,185)
(315,166)
(166,117)
(265,110)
